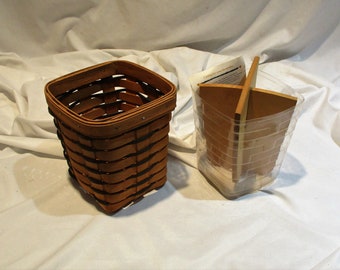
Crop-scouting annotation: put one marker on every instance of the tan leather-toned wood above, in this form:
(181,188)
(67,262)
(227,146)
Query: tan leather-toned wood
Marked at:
(244,126)
(242,105)
(241,117)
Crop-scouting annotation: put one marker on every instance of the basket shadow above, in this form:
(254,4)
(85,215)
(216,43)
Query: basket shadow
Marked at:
(46,182)
(291,172)
(189,182)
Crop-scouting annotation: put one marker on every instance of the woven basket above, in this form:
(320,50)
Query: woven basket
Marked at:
(113,123)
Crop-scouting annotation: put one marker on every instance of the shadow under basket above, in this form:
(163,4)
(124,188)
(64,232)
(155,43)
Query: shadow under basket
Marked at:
(113,123)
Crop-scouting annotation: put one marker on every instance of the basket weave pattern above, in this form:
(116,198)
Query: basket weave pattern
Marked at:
(113,123)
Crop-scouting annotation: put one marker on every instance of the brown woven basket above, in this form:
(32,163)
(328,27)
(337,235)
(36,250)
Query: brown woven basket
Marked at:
(113,123)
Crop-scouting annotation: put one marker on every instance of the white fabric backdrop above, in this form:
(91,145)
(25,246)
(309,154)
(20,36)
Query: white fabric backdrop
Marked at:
(46,223)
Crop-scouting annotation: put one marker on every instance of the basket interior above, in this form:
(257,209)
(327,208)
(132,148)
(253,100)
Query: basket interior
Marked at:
(108,97)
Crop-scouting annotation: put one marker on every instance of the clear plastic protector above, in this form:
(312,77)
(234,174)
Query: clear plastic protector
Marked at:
(254,148)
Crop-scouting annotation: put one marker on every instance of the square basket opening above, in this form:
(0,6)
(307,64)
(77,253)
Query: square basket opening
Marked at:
(108,97)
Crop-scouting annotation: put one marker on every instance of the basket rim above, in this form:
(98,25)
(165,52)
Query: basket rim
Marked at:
(136,116)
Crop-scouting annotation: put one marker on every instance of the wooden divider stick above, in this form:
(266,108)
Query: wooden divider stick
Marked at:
(240,120)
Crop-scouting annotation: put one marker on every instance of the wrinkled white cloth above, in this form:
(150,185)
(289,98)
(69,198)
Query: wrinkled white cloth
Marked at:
(47,223)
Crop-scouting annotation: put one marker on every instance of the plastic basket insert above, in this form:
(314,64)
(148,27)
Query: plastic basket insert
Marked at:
(113,123)
(243,134)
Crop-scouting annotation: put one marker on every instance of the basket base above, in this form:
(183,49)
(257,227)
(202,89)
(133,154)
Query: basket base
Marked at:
(113,208)
(221,179)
